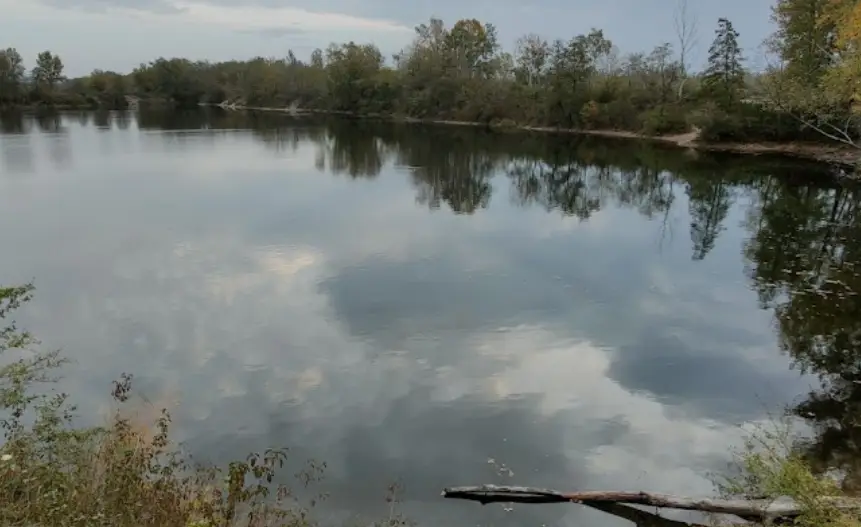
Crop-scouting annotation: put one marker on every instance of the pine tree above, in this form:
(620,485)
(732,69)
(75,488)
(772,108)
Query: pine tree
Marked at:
(724,76)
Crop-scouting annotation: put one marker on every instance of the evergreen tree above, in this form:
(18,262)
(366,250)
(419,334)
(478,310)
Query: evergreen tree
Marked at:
(724,76)
(709,201)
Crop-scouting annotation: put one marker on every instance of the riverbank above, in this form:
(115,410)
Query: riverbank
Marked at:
(846,156)
(828,153)
(838,154)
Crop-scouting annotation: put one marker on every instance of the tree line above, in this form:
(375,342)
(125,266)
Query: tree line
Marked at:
(462,73)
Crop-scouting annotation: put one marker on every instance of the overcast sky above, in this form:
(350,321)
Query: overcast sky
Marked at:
(120,34)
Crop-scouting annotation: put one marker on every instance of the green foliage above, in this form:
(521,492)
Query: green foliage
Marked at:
(11,77)
(669,119)
(46,75)
(769,467)
(724,75)
(107,88)
(716,125)
(816,79)
(749,122)
(176,80)
(354,80)
(802,41)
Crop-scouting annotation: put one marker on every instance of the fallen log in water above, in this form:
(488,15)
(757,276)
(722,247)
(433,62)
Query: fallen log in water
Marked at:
(752,510)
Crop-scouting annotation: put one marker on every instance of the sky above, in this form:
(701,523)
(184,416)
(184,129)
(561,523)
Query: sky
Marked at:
(120,34)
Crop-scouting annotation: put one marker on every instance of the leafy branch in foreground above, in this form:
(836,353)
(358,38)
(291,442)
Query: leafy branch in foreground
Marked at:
(770,467)
(125,473)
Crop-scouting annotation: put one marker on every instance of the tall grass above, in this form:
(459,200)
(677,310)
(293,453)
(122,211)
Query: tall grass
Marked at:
(770,466)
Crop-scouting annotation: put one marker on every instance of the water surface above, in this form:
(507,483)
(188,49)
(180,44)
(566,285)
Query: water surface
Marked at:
(435,306)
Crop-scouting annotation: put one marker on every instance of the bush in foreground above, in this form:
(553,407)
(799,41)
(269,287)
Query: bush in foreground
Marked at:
(770,466)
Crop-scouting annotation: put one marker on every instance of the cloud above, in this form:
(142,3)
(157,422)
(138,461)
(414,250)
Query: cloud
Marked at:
(258,17)
(153,6)
(239,17)
(275,32)
(139,32)
(408,13)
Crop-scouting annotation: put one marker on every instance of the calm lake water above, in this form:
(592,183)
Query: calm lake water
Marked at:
(437,306)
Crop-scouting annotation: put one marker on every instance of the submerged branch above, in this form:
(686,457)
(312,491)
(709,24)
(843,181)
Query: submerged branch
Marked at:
(747,509)
(640,517)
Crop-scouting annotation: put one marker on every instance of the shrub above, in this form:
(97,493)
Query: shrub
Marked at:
(663,120)
(716,125)
(620,115)
(750,123)
(769,467)
(590,115)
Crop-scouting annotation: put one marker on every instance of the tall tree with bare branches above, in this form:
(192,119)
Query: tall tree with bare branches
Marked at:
(686,26)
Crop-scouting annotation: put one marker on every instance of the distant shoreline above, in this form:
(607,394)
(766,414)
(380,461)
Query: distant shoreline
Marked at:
(845,156)
(836,154)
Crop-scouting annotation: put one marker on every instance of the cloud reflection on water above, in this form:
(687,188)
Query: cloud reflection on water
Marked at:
(286,306)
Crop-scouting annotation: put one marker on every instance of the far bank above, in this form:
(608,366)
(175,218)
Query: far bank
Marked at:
(845,156)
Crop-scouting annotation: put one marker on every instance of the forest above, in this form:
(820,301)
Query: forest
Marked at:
(462,73)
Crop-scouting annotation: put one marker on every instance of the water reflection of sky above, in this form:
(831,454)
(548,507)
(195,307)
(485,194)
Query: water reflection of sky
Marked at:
(278,305)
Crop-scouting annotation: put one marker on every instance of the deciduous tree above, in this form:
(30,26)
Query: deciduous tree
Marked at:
(531,56)
(11,76)
(804,39)
(48,70)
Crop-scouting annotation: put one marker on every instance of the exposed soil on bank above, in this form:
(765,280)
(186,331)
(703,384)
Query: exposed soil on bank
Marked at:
(835,153)
(838,154)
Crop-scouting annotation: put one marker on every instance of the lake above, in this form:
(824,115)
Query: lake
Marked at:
(437,306)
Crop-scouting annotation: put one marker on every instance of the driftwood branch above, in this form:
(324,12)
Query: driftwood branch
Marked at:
(761,510)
